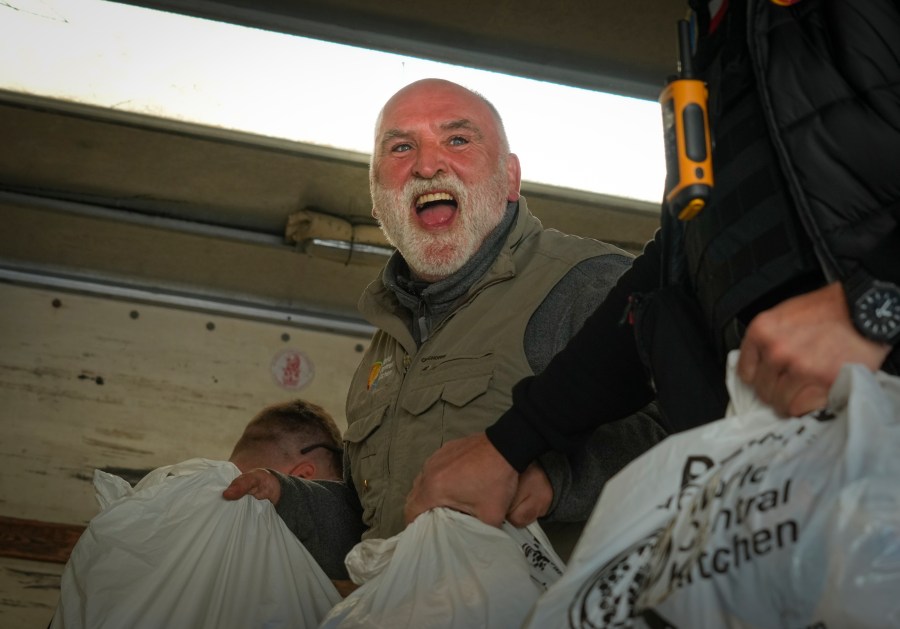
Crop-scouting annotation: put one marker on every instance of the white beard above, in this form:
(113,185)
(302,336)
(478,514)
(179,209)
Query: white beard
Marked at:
(432,256)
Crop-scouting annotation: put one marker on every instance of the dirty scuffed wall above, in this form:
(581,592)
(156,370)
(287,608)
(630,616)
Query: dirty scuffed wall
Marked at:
(94,383)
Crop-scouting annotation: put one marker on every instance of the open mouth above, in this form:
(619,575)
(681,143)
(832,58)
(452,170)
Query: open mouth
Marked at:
(436,209)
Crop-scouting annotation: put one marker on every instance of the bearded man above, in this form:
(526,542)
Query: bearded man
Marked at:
(477,296)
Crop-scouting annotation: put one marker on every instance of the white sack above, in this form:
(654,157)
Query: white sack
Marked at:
(174,553)
(447,570)
(750,521)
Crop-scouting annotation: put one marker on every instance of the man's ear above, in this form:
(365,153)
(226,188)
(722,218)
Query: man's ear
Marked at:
(513,177)
(304,469)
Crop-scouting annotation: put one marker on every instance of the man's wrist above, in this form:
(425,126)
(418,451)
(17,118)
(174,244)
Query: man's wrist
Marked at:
(874,307)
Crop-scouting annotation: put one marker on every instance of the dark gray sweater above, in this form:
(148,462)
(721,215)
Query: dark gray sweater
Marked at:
(325,516)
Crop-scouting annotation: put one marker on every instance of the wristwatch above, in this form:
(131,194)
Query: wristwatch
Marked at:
(874,307)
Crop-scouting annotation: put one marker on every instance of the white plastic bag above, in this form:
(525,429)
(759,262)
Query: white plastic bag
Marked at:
(174,553)
(750,521)
(447,570)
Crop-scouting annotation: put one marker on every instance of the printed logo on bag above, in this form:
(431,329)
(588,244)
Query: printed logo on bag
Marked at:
(544,570)
(608,598)
(727,515)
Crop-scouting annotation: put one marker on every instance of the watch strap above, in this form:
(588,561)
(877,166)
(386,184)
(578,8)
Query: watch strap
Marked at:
(856,285)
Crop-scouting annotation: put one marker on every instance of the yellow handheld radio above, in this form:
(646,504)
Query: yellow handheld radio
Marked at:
(689,176)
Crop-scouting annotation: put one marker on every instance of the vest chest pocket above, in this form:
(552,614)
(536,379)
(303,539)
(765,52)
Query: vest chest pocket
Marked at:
(453,407)
(458,393)
(366,444)
(462,392)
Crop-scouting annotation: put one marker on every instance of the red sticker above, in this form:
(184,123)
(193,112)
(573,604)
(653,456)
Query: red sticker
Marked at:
(292,369)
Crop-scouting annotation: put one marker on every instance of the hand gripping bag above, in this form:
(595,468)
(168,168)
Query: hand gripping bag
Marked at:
(173,553)
(447,570)
(752,521)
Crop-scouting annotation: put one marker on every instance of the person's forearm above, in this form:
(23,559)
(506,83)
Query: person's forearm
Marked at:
(325,516)
(596,379)
(294,505)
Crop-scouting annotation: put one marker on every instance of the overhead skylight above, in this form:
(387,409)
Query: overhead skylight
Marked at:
(161,64)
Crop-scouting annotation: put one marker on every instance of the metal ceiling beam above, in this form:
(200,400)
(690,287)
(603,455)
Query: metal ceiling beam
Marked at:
(447,41)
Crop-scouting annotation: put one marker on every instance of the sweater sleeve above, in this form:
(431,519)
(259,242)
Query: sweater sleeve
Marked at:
(556,409)
(325,516)
(883,263)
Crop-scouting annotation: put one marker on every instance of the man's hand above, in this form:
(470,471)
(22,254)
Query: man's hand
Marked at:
(259,483)
(468,475)
(533,498)
(792,353)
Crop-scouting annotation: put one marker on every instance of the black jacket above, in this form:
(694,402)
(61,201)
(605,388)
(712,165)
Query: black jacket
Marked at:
(805,115)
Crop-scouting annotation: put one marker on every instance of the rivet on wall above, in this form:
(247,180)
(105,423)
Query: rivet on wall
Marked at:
(210,326)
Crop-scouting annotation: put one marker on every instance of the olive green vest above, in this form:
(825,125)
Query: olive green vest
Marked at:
(405,402)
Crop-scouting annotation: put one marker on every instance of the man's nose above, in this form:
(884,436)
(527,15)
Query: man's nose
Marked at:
(429,161)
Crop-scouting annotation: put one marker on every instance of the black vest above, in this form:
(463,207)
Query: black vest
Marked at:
(805,127)
(747,249)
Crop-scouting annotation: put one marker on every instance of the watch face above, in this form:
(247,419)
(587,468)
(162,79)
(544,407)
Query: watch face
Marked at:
(878,313)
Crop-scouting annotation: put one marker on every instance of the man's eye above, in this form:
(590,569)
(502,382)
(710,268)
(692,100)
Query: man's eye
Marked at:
(400,148)
(458,140)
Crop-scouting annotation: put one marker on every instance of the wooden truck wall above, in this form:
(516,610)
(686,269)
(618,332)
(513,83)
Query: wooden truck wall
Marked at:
(90,382)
